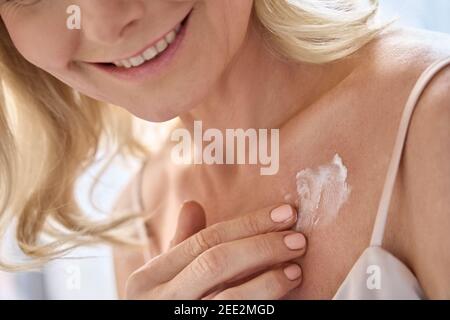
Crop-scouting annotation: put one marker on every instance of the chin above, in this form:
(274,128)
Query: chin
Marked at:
(152,114)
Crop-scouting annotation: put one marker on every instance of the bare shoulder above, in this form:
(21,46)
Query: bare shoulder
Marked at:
(427,172)
(420,217)
(400,55)
(425,168)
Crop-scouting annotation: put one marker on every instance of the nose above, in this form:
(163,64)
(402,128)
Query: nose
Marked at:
(108,21)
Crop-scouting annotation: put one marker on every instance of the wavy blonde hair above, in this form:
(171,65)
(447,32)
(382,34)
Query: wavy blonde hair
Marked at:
(50,134)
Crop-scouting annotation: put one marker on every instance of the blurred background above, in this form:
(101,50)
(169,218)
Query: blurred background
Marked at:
(427,14)
(88,273)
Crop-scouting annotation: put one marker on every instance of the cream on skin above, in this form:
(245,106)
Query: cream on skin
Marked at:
(321,194)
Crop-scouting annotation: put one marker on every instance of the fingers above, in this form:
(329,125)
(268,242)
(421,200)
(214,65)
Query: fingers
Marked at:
(167,266)
(225,261)
(271,285)
(190,221)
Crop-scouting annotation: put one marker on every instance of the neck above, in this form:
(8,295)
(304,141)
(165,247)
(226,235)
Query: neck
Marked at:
(258,90)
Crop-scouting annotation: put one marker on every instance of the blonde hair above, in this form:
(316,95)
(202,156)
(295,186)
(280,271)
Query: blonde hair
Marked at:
(50,134)
(318,31)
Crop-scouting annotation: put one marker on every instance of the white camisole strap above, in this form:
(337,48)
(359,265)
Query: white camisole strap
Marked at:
(385,200)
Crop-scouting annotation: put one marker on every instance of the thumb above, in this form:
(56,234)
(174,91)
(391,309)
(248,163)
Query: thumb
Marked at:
(190,221)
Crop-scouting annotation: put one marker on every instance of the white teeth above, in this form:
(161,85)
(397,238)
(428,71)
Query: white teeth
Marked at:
(161,45)
(170,37)
(126,63)
(137,61)
(151,52)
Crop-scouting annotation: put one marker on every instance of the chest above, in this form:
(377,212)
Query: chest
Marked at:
(364,147)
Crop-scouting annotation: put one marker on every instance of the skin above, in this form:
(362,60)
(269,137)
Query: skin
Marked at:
(319,108)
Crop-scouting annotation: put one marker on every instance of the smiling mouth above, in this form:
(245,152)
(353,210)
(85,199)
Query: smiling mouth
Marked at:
(151,52)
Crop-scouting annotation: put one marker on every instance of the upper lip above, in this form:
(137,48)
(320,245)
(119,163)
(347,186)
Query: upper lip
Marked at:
(153,43)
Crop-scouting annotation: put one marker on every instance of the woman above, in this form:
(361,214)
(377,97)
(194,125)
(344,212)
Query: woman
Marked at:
(324,73)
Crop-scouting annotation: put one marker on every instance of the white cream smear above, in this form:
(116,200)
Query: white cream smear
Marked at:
(321,194)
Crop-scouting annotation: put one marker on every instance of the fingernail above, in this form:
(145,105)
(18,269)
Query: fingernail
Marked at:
(282,214)
(295,241)
(293,272)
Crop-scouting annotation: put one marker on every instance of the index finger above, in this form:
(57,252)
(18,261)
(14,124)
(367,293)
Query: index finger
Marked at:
(167,266)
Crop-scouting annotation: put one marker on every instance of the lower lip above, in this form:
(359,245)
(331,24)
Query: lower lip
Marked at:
(150,68)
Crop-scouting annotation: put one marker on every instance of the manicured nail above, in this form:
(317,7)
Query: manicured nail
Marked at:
(293,272)
(295,241)
(282,214)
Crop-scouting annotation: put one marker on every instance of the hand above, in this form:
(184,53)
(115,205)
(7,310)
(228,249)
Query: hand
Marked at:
(244,258)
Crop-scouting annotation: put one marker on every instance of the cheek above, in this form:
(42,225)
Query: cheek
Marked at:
(224,27)
(218,31)
(233,18)
(45,43)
